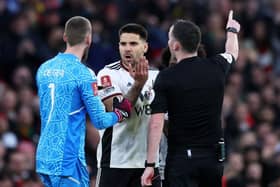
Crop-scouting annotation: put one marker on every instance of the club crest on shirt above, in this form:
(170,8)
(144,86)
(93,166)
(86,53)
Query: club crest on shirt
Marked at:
(106,81)
(129,84)
(149,94)
(94,88)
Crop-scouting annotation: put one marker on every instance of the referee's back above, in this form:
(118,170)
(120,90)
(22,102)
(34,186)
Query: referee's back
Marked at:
(192,93)
(195,89)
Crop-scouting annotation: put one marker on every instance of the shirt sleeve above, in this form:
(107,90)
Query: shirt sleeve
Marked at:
(95,108)
(107,84)
(225,60)
(159,104)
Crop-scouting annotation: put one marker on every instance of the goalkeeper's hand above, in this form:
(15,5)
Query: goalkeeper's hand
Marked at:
(122,109)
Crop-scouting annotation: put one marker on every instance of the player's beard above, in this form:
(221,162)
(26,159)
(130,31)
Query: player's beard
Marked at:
(85,55)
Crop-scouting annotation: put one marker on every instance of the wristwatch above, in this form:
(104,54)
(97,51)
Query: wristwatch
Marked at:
(232,29)
(152,164)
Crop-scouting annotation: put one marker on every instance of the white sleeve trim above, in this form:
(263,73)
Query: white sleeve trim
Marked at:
(109,92)
(228,57)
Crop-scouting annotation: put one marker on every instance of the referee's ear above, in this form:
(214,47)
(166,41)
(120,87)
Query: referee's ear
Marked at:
(177,46)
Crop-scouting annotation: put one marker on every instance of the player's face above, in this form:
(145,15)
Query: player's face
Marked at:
(131,47)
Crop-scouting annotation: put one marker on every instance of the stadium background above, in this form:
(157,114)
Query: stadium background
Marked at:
(31,32)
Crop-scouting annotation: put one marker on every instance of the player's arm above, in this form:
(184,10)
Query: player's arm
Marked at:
(110,89)
(108,102)
(232,28)
(95,108)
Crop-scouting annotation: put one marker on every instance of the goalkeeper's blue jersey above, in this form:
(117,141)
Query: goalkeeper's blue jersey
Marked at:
(67,90)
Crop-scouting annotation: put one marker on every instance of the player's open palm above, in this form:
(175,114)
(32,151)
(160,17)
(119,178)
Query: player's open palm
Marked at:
(140,71)
(232,22)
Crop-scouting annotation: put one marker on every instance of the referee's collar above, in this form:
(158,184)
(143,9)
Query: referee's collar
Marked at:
(189,59)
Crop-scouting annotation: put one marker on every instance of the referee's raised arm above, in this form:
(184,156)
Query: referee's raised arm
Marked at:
(233,28)
(196,146)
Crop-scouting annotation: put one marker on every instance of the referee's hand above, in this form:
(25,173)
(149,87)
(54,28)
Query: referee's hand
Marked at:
(147,176)
(232,22)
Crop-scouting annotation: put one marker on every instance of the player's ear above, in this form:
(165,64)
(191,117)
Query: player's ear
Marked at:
(146,47)
(88,39)
(64,37)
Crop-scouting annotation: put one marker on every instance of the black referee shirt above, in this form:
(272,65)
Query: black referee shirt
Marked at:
(192,93)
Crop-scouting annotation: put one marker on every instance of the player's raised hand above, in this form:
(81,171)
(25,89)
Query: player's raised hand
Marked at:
(140,71)
(232,23)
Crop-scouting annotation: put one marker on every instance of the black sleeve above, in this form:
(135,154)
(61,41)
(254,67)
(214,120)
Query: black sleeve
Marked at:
(225,60)
(159,104)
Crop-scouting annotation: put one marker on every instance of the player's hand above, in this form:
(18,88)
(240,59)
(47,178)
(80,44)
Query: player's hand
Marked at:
(147,176)
(122,109)
(232,22)
(140,71)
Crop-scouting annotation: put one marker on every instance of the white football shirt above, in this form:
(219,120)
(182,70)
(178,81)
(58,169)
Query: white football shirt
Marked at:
(125,144)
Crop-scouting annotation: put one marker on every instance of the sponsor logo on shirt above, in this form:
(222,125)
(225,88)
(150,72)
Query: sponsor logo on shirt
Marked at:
(129,84)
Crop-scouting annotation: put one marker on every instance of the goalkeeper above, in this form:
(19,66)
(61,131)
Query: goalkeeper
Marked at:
(68,90)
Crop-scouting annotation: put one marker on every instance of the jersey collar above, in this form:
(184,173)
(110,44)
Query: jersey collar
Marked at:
(70,56)
(123,66)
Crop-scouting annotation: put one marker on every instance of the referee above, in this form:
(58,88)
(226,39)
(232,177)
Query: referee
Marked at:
(192,93)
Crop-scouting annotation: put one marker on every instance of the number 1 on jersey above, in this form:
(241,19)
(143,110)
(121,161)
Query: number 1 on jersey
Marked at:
(52,89)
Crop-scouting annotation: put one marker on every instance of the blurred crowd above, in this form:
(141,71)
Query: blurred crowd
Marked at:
(31,32)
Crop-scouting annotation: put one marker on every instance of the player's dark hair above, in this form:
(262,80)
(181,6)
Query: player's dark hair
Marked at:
(188,34)
(76,29)
(134,28)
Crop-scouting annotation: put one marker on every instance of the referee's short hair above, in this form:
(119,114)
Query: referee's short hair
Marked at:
(76,29)
(134,28)
(188,34)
